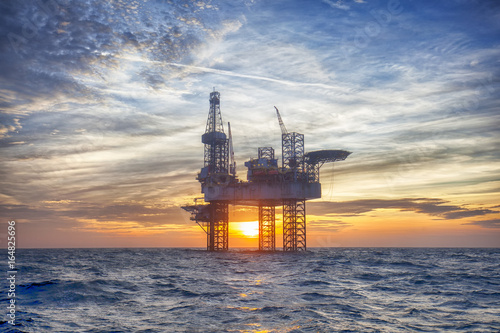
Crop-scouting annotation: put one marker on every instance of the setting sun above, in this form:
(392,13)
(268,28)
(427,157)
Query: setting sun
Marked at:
(247,229)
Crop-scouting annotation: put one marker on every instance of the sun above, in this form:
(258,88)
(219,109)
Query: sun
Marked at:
(249,229)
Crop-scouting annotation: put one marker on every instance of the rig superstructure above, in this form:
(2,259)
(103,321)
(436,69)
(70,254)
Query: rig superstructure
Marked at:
(267,185)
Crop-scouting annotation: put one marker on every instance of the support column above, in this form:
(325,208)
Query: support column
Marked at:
(294,225)
(267,228)
(218,231)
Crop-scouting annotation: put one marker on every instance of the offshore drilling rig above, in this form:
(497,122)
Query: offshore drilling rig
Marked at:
(267,185)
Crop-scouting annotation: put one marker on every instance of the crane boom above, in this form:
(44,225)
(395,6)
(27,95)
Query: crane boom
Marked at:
(282,125)
(232,165)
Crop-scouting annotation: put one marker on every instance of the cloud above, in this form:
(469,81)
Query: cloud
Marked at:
(8,125)
(71,214)
(486,223)
(323,225)
(428,206)
(87,38)
(86,99)
(338,4)
(194,69)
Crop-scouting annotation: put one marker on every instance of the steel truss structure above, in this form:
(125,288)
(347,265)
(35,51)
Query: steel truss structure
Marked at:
(293,155)
(216,156)
(294,209)
(218,230)
(267,227)
(266,153)
(215,172)
(294,225)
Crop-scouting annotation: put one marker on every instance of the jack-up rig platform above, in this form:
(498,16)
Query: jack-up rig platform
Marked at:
(267,185)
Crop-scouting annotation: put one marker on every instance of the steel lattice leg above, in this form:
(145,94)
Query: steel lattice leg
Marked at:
(267,228)
(218,233)
(294,225)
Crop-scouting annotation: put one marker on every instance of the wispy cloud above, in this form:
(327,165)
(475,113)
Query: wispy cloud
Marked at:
(486,223)
(429,206)
(339,4)
(197,69)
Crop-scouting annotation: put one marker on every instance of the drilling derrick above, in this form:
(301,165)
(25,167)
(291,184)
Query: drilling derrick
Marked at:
(215,172)
(267,185)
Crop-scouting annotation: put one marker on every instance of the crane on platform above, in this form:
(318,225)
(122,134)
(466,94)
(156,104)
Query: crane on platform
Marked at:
(232,163)
(282,124)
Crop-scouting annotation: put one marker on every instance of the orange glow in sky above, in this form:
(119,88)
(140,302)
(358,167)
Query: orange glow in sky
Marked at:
(247,229)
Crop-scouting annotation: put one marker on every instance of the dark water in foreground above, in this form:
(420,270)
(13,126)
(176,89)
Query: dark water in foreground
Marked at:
(324,290)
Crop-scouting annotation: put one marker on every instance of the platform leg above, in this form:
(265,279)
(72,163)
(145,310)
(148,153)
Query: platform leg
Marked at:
(294,225)
(267,227)
(218,231)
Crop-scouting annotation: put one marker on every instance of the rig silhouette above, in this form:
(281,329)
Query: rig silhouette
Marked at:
(267,185)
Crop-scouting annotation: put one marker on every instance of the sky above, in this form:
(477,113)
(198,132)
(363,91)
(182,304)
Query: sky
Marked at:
(103,104)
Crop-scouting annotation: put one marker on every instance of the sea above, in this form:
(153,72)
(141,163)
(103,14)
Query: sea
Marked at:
(192,290)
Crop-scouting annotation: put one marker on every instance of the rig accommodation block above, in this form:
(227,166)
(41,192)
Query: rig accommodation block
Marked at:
(268,185)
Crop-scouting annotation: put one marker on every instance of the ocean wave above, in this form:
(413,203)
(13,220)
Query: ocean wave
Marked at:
(326,290)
